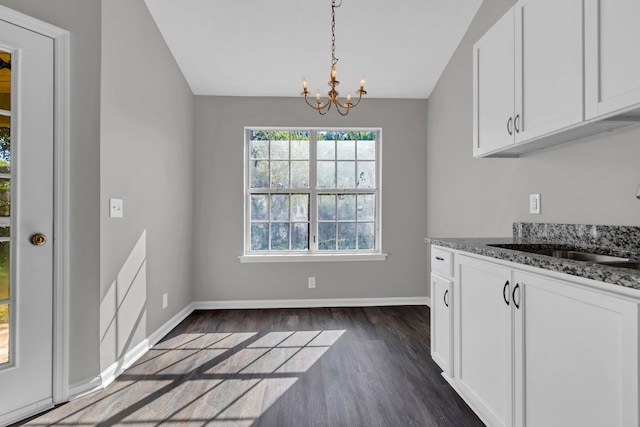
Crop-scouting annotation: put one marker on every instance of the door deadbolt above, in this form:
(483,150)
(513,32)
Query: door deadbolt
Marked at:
(38,239)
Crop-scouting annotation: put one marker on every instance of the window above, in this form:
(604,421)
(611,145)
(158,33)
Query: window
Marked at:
(311,193)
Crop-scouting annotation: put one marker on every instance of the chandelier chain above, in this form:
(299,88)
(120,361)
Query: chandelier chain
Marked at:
(334,60)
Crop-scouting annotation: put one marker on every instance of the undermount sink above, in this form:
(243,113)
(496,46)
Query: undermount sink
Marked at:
(571,254)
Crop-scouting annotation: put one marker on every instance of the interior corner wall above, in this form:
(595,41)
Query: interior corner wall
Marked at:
(219,201)
(592,181)
(82,19)
(146,159)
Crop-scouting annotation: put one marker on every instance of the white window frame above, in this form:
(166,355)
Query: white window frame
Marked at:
(313,254)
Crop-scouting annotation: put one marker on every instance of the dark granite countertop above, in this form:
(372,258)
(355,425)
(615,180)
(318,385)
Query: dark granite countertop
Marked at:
(590,241)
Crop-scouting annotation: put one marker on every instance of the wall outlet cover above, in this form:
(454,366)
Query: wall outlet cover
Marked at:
(534,203)
(116,208)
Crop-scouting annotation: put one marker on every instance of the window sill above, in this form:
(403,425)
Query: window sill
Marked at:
(311,258)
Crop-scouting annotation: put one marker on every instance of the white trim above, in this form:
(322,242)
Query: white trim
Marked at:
(107,376)
(312,191)
(119,366)
(82,388)
(26,411)
(163,330)
(62,180)
(61,141)
(310,303)
(312,257)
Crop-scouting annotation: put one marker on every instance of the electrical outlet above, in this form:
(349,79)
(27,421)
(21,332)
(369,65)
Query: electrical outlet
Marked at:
(116,208)
(165,300)
(534,203)
(312,282)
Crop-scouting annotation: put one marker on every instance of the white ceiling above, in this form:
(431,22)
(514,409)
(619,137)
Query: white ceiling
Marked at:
(263,48)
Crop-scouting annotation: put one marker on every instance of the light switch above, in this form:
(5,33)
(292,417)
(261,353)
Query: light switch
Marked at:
(534,203)
(115,208)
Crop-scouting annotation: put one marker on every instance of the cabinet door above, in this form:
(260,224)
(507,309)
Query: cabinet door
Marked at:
(548,67)
(441,316)
(612,56)
(493,95)
(483,339)
(576,355)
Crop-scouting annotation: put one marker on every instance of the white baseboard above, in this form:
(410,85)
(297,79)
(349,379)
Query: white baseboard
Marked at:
(310,303)
(155,337)
(82,388)
(107,376)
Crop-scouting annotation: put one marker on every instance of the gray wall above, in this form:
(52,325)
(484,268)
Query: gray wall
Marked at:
(147,143)
(218,241)
(591,181)
(82,19)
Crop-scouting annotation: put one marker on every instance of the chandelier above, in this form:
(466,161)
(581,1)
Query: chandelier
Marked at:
(332,98)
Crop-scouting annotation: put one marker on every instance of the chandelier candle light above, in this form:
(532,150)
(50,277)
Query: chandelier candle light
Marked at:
(318,105)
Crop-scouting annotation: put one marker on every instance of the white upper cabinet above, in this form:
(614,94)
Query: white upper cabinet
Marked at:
(528,76)
(493,87)
(549,80)
(612,57)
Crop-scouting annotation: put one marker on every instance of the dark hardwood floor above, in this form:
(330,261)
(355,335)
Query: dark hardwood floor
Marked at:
(286,367)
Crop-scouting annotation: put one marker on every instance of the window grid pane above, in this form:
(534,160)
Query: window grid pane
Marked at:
(279,164)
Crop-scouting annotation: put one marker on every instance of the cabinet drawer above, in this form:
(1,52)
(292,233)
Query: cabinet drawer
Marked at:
(441,262)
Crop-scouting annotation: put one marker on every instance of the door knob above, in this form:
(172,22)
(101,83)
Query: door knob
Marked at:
(38,239)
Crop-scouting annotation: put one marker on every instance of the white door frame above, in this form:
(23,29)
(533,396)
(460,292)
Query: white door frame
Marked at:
(61,181)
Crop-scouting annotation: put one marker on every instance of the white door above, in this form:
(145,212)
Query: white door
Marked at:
(26,209)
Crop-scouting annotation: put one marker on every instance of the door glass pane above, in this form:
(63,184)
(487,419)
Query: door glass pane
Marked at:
(4,270)
(4,333)
(5,144)
(5,197)
(5,81)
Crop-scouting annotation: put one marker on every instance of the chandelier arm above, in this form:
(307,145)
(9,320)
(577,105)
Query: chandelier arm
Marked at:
(346,111)
(314,106)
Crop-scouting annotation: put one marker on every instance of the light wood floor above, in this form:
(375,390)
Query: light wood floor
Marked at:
(287,367)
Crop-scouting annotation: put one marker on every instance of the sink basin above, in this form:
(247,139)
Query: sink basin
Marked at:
(565,253)
(624,264)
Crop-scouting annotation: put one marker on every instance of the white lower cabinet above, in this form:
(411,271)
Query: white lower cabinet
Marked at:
(482,347)
(576,355)
(441,314)
(536,351)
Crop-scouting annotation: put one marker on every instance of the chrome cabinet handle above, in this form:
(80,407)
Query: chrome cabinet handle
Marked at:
(516,126)
(509,122)
(444,297)
(439,258)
